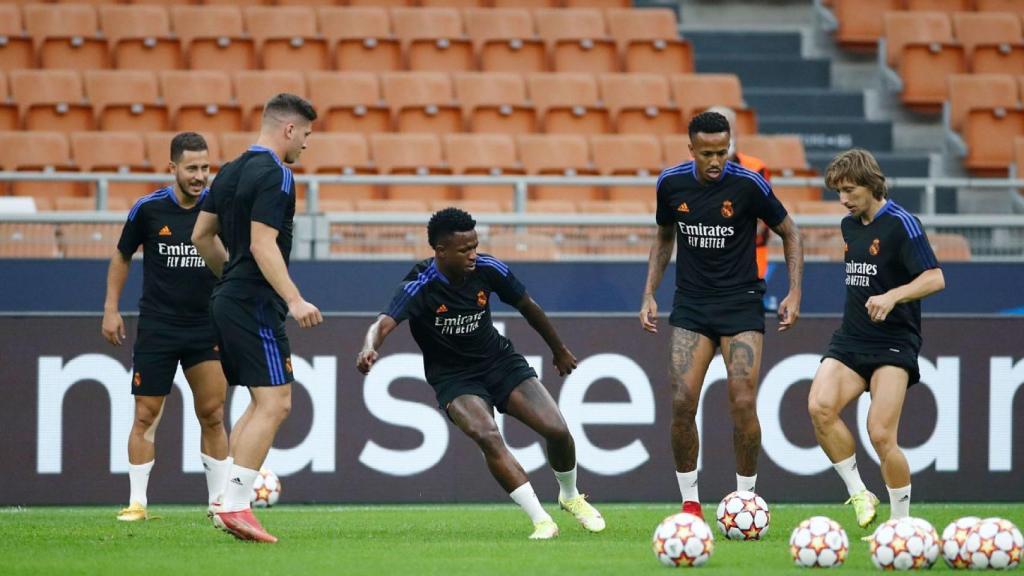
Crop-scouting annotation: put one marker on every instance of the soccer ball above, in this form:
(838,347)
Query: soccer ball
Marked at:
(683,540)
(993,543)
(953,539)
(819,542)
(743,515)
(902,544)
(266,490)
(933,543)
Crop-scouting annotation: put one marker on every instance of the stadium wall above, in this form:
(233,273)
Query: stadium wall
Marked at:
(68,409)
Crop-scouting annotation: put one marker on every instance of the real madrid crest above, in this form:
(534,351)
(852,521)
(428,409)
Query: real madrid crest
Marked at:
(874,248)
(727,210)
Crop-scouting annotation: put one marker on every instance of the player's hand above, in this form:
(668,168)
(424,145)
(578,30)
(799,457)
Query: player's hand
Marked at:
(365,360)
(879,307)
(113,328)
(305,313)
(789,311)
(564,361)
(649,314)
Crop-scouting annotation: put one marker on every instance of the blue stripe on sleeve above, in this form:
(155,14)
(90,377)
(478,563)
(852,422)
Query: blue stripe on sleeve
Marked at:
(492,262)
(161,193)
(679,169)
(737,170)
(412,288)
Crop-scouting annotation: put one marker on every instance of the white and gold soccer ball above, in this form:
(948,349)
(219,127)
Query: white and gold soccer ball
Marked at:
(683,540)
(743,515)
(994,543)
(819,542)
(954,537)
(266,490)
(903,544)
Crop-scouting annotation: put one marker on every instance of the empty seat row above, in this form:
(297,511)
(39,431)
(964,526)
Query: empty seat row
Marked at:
(301,38)
(396,3)
(861,22)
(365,102)
(986,111)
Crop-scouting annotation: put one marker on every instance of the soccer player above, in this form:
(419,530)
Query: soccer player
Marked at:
(251,205)
(174,320)
(474,369)
(890,267)
(712,206)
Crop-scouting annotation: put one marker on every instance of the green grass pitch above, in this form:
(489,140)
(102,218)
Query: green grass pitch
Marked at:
(446,540)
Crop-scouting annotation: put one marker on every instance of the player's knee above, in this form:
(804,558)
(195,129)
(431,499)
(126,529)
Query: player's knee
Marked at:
(684,405)
(486,437)
(822,414)
(882,438)
(210,414)
(557,432)
(743,406)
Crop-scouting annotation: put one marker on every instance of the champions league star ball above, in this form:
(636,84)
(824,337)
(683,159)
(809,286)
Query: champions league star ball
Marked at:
(903,544)
(683,540)
(819,542)
(993,543)
(953,539)
(266,490)
(933,542)
(743,515)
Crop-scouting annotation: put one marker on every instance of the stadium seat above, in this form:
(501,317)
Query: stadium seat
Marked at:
(255,87)
(505,40)
(287,38)
(412,154)
(950,247)
(433,39)
(568,103)
(649,41)
(404,205)
(237,2)
(51,100)
(126,100)
(462,4)
(920,46)
(39,151)
(16,51)
(640,104)
(349,101)
(158,149)
(948,6)
(89,239)
(471,206)
(140,37)
(627,155)
(484,154)
(1014,6)
(695,93)
(819,207)
(676,149)
(362,38)
(67,36)
(979,91)
(314,3)
(783,155)
(557,155)
(337,154)
(495,102)
(382,3)
(578,40)
(234,144)
(28,240)
(9,117)
(993,41)
(618,207)
(521,246)
(529,4)
(214,37)
(989,135)
(861,22)
(113,152)
(422,102)
(201,100)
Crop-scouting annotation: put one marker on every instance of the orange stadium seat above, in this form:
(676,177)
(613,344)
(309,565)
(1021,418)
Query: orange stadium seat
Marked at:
(162,2)
(287,37)
(337,154)
(113,152)
(999,6)
(382,3)
(315,3)
(158,149)
(415,154)
(9,118)
(39,151)
(255,87)
(16,49)
(676,148)
(783,155)
(578,40)
(495,102)
(950,247)
(569,103)
(234,144)
(471,206)
(640,104)
(614,207)
(531,4)
(453,3)
(603,4)
(695,93)
(140,37)
(979,91)
(557,155)
(201,100)
(51,100)
(422,101)
(433,39)
(89,240)
(214,37)
(237,2)
(649,41)
(861,22)
(362,38)
(489,154)
(506,40)
(28,240)
(521,246)
(349,101)
(949,6)
(67,35)
(126,100)
(993,41)
(627,155)
(819,207)
(920,46)
(989,134)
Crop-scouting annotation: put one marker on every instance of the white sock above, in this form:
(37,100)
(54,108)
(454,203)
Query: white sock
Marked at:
(527,500)
(847,470)
(216,476)
(899,502)
(566,484)
(138,479)
(688,485)
(746,483)
(240,481)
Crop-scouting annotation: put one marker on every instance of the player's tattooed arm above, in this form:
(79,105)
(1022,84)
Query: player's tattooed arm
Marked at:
(204,238)
(793,248)
(564,360)
(661,254)
(375,336)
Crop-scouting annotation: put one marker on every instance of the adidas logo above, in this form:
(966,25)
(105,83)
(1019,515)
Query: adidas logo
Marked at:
(165,231)
(442,309)
(894,350)
(683,208)
(236,480)
(206,466)
(906,497)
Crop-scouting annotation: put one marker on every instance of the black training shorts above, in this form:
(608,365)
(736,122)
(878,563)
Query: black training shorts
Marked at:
(865,358)
(253,345)
(159,349)
(718,316)
(494,383)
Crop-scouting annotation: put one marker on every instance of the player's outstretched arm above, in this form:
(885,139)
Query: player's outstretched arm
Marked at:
(117,275)
(661,254)
(927,283)
(793,248)
(375,336)
(204,238)
(564,360)
(268,257)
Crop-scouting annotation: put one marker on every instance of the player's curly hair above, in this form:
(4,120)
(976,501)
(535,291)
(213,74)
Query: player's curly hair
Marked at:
(708,123)
(858,167)
(447,222)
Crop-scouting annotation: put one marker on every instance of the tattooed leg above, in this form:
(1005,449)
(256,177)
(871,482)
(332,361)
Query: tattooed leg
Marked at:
(691,355)
(742,354)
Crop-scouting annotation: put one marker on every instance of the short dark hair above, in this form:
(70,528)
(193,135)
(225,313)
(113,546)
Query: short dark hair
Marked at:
(285,104)
(858,167)
(186,141)
(447,222)
(708,123)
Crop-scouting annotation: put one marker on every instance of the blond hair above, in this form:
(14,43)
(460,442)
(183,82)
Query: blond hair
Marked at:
(858,167)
